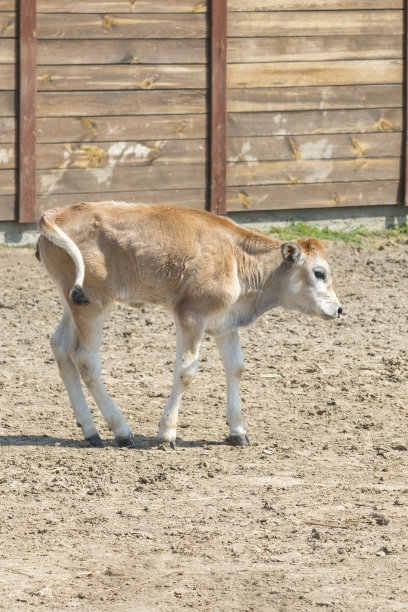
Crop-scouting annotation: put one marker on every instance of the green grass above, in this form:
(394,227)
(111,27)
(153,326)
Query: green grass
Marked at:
(296,229)
(29,245)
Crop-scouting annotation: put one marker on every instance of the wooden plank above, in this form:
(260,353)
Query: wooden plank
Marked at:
(314,48)
(123,6)
(8,6)
(312,5)
(134,77)
(311,74)
(7,77)
(8,207)
(316,122)
(311,98)
(313,171)
(143,178)
(27,112)
(8,157)
(108,154)
(80,26)
(76,104)
(8,25)
(7,51)
(218,107)
(7,106)
(7,129)
(8,184)
(121,128)
(122,153)
(181,127)
(170,152)
(319,195)
(192,198)
(269,148)
(126,51)
(329,146)
(315,23)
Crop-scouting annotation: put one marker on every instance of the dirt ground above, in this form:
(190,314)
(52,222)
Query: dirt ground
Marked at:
(314,514)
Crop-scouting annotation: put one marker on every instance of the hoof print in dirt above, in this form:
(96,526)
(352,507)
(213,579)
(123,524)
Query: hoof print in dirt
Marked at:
(239,440)
(126,442)
(95,441)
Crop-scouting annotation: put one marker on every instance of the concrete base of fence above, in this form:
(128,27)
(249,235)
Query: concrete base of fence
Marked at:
(370,217)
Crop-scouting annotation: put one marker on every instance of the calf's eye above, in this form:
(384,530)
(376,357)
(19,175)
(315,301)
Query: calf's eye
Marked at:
(319,275)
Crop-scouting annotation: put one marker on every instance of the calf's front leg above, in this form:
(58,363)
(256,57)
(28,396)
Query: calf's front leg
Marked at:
(231,354)
(189,331)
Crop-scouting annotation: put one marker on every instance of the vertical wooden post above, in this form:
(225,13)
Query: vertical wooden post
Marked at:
(27,119)
(405,110)
(218,107)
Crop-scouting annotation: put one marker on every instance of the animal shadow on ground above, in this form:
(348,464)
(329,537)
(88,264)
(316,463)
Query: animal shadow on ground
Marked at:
(142,442)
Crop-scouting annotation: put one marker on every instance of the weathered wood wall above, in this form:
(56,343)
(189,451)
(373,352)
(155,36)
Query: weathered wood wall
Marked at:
(315,103)
(122,101)
(8,105)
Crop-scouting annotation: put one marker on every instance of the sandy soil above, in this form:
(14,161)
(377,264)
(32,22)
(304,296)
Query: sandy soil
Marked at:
(312,515)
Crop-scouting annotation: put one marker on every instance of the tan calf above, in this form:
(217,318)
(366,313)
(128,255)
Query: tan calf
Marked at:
(212,275)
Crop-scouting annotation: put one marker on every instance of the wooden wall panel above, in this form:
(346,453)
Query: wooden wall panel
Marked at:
(93,180)
(319,195)
(90,128)
(8,27)
(313,48)
(192,198)
(122,51)
(310,98)
(315,122)
(312,74)
(113,26)
(315,103)
(122,77)
(312,5)
(123,6)
(122,101)
(316,23)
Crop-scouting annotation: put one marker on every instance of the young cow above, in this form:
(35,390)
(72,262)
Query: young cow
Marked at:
(212,275)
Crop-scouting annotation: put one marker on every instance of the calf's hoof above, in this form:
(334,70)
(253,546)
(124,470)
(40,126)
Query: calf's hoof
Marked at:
(164,444)
(167,437)
(95,441)
(128,442)
(240,440)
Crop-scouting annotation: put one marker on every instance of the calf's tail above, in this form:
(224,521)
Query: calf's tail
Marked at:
(49,228)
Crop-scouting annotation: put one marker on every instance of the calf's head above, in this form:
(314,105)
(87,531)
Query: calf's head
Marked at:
(308,284)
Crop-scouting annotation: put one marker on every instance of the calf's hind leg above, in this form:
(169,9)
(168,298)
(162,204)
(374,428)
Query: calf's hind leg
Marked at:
(84,352)
(60,343)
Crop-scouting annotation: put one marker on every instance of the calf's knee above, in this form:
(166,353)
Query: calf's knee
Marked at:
(187,374)
(59,350)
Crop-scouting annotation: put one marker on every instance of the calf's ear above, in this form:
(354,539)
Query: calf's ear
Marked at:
(292,253)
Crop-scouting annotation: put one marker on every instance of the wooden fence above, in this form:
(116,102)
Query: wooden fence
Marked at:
(152,101)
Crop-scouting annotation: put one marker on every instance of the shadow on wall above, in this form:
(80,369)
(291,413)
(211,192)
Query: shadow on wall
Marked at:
(18,234)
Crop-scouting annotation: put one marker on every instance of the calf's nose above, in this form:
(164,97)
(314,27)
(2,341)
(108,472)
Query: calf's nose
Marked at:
(339,310)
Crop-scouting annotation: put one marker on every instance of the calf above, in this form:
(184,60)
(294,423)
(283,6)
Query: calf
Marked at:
(211,274)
